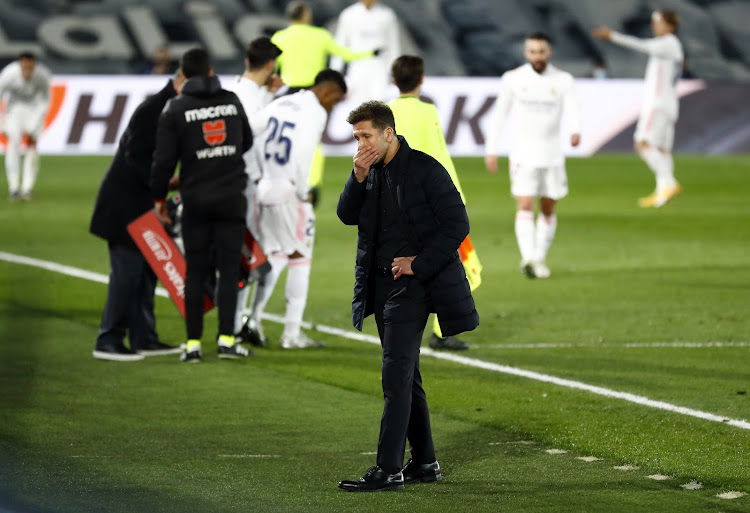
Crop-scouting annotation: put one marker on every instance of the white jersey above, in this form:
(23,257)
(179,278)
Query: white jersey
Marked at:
(253,98)
(32,93)
(662,71)
(294,125)
(360,28)
(537,101)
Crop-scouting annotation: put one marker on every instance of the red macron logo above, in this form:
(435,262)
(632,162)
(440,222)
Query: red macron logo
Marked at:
(215,132)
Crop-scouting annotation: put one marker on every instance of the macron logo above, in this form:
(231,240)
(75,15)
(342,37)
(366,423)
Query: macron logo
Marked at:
(216,111)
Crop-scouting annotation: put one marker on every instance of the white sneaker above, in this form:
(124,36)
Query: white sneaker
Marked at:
(527,268)
(541,270)
(299,342)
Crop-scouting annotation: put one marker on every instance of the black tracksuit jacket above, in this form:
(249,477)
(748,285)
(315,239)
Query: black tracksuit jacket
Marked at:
(206,130)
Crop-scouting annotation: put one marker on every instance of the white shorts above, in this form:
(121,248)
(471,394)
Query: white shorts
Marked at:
(25,118)
(286,228)
(657,129)
(544,182)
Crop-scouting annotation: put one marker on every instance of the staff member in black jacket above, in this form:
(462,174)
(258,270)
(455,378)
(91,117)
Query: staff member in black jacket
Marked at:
(206,129)
(411,221)
(125,195)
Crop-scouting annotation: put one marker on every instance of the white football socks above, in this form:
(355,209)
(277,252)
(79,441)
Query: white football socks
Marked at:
(545,233)
(30,171)
(662,165)
(239,313)
(525,234)
(297,285)
(12,167)
(264,287)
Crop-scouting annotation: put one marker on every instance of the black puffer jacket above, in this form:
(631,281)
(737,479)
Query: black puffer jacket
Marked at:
(125,194)
(436,220)
(206,129)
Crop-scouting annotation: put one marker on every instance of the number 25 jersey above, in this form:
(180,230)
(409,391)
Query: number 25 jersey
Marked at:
(283,151)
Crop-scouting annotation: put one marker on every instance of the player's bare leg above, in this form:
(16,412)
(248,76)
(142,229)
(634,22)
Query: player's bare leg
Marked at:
(525,233)
(30,168)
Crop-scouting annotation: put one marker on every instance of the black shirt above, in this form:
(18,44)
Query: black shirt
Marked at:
(392,236)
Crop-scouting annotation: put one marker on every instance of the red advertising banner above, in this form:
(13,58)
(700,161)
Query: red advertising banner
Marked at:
(163,256)
(252,256)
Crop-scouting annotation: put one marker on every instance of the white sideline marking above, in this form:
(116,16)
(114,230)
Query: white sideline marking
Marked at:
(556,451)
(463,360)
(658,477)
(588,459)
(632,345)
(516,442)
(370,453)
(730,495)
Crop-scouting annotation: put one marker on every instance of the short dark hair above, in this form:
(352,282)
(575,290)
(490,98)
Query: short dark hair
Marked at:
(195,62)
(539,36)
(670,17)
(407,72)
(26,55)
(379,113)
(333,76)
(260,51)
(295,11)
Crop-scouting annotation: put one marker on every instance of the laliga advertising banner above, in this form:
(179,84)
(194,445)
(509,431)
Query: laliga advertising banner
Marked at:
(88,114)
(163,256)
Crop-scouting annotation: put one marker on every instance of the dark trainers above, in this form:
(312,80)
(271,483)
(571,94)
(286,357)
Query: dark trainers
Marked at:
(447,343)
(421,472)
(251,335)
(193,356)
(116,354)
(156,348)
(375,480)
(233,352)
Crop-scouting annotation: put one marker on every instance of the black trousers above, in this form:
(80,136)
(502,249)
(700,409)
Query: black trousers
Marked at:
(130,300)
(401,311)
(213,235)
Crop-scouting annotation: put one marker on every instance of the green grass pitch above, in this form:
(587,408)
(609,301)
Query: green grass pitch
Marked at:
(635,300)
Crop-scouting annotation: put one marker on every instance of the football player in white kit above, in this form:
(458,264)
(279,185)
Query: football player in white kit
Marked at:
(255,89)
(25,85)
(284,150)
(365,25)
(538,92)
(654,133)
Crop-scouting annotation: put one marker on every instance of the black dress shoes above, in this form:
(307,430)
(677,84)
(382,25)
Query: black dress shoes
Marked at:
(375,480)
(421,472)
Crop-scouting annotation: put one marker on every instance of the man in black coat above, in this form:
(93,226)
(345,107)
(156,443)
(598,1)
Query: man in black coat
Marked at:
(125,195)
(206,130)
(411,221)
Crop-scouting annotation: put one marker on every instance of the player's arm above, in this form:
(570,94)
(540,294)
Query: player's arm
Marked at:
(306,139)
(164,161)
(346,53)
(342,38)
(5,77)
(497,122)
(658,46)
(572,110)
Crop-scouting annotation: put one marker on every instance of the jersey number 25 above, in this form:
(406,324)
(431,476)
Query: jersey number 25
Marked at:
(278,144)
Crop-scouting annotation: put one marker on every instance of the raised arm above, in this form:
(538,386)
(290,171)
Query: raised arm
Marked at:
(497,122)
